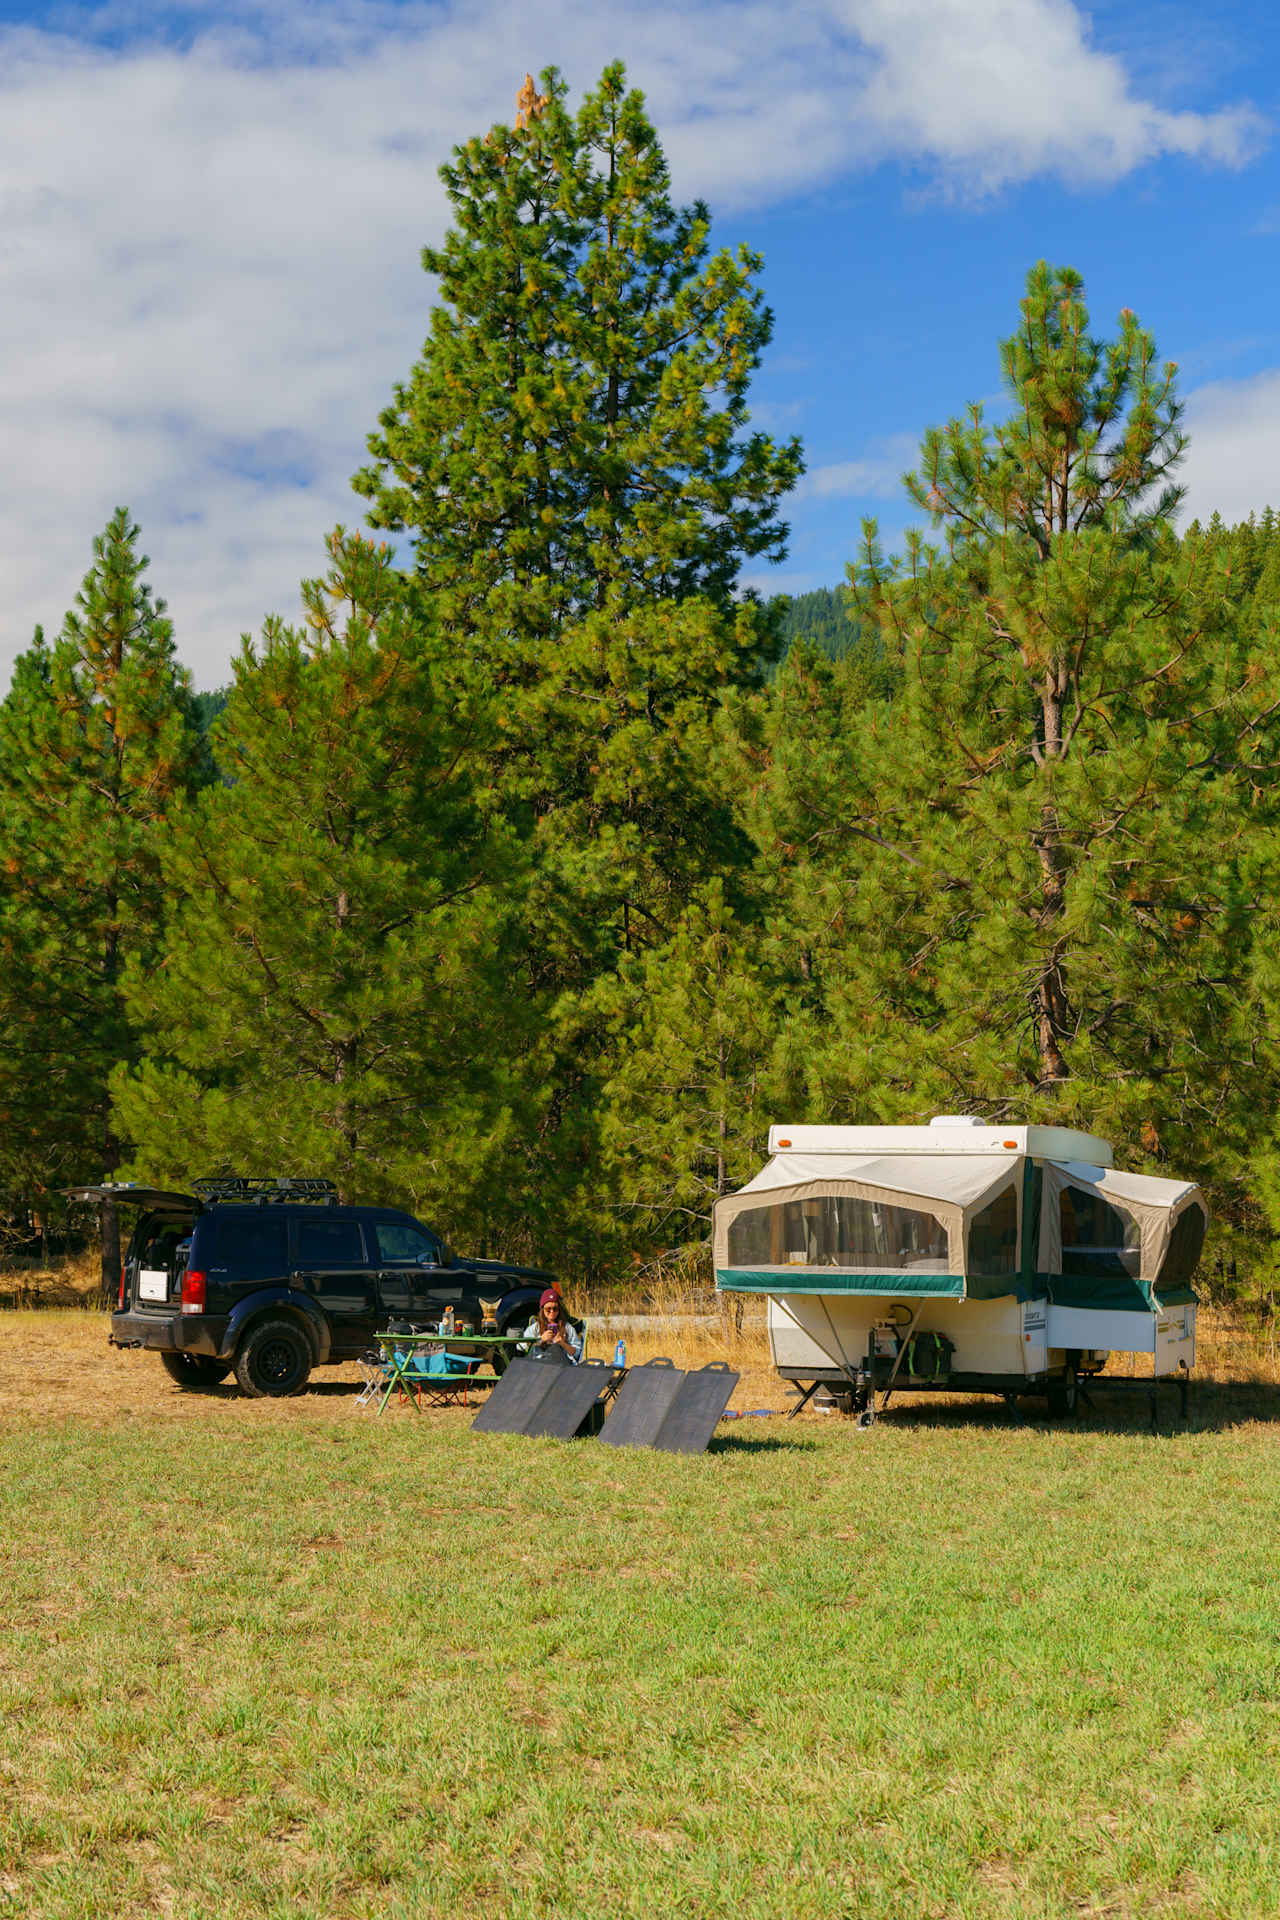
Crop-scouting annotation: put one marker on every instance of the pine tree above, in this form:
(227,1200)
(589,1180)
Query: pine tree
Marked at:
(572,462)
(330,999)
(97,741)
(572,437)
(1052,873)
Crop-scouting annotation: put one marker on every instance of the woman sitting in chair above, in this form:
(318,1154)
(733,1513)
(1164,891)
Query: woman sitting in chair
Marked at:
(552,1335)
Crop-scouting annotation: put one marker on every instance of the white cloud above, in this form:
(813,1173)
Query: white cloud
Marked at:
(209,244)
(876,475)
(992,91)
(1232,463)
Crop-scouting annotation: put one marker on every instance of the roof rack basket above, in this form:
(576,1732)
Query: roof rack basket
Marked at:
(265,1190)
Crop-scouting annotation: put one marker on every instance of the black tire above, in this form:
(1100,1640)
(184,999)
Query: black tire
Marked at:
(194,1370)
(273,1360)
(1064,1393)
(849,1400)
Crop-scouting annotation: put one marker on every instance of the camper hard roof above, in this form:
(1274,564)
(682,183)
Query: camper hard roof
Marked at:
(946,1134)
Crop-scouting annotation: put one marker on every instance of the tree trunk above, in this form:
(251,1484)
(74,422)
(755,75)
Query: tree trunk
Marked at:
(1052,1006)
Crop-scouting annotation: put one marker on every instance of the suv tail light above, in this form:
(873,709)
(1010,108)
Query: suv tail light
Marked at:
(122,1284)
(192,1291)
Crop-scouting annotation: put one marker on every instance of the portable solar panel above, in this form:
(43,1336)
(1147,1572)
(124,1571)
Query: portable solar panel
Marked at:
(563,1412)
(542,1399)
(661,1406)
(644,1400)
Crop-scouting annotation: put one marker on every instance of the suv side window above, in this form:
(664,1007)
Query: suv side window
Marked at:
(400,1241)
(244,1246)
(328,1243)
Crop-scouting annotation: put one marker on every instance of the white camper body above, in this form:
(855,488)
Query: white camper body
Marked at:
(961,1256)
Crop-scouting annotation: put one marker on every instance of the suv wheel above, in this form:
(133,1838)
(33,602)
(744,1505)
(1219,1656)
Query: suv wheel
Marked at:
(193,1370)
(274,1359)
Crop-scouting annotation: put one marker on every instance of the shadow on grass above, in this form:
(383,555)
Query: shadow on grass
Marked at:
(1111,1406)
(758,1443)
(1212,1407)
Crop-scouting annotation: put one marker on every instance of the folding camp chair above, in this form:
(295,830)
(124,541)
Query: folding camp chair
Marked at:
(375,1375)
(439,1378)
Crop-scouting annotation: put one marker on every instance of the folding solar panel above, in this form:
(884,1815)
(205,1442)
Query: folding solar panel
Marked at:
(561,1413)
(515,1398)
(661,1406)
(644,1400)
(541,1399)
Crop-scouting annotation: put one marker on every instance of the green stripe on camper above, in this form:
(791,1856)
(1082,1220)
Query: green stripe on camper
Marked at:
(780,1280)
(1005,1286)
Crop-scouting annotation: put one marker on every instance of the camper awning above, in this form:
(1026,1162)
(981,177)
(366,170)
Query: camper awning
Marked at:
(916,1208)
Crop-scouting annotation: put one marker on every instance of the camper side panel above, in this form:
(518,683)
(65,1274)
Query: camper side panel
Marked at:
(817,1331)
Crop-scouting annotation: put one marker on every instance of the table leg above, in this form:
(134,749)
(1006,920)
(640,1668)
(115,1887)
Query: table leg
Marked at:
(399,1378)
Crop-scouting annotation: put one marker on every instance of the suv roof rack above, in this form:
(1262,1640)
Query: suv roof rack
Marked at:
(265,1189)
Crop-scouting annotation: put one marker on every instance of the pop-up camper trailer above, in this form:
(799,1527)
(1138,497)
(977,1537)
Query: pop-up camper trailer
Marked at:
(962,1257)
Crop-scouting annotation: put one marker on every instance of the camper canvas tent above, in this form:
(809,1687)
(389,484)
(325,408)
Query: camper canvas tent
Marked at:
(1007,1259)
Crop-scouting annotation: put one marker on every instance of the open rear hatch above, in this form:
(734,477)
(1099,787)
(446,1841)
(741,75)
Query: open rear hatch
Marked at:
(124,1193)
(152,1267)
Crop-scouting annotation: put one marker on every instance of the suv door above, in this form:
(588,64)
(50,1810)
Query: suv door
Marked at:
(331,1262)
(413,1281)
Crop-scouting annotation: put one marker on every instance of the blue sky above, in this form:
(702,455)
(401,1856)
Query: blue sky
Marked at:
(210,222)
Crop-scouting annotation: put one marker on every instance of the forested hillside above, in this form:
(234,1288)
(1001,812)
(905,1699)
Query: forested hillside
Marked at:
(821,619)
(526,882)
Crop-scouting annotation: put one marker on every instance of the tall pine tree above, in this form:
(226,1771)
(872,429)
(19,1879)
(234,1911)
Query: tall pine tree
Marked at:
(695,1088)
(573,436)
(1052,870)
(330,997)
(572,461)
(97,742)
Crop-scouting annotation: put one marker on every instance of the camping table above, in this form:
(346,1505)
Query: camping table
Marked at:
(398,1349)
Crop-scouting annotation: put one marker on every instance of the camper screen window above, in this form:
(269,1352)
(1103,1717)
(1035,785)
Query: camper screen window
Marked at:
(1096,1237)
(857,1235)
(993,1237)
(1183,1252)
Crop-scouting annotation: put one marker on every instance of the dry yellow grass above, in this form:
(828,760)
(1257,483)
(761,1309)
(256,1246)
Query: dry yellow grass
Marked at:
(56,1361)
(54,1354)
(70,1282)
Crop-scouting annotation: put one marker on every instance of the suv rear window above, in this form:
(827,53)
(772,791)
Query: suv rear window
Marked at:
(155,1241)
(251,1246)
(328,1243)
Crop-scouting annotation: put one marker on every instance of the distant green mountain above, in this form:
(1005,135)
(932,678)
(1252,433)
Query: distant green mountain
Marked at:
(821,618)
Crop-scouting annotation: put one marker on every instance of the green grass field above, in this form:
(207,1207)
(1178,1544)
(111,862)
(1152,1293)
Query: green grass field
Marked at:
(290,1660)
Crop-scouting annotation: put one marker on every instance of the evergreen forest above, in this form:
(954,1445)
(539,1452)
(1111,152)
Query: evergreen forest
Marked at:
(532,871)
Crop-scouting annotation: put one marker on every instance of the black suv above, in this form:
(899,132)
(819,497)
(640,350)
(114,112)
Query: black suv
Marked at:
(273,1278)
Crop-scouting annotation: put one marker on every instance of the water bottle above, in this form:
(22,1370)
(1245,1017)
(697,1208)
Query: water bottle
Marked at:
(620,1354)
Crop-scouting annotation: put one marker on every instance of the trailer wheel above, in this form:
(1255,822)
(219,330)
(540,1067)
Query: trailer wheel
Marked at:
(1064,1394)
